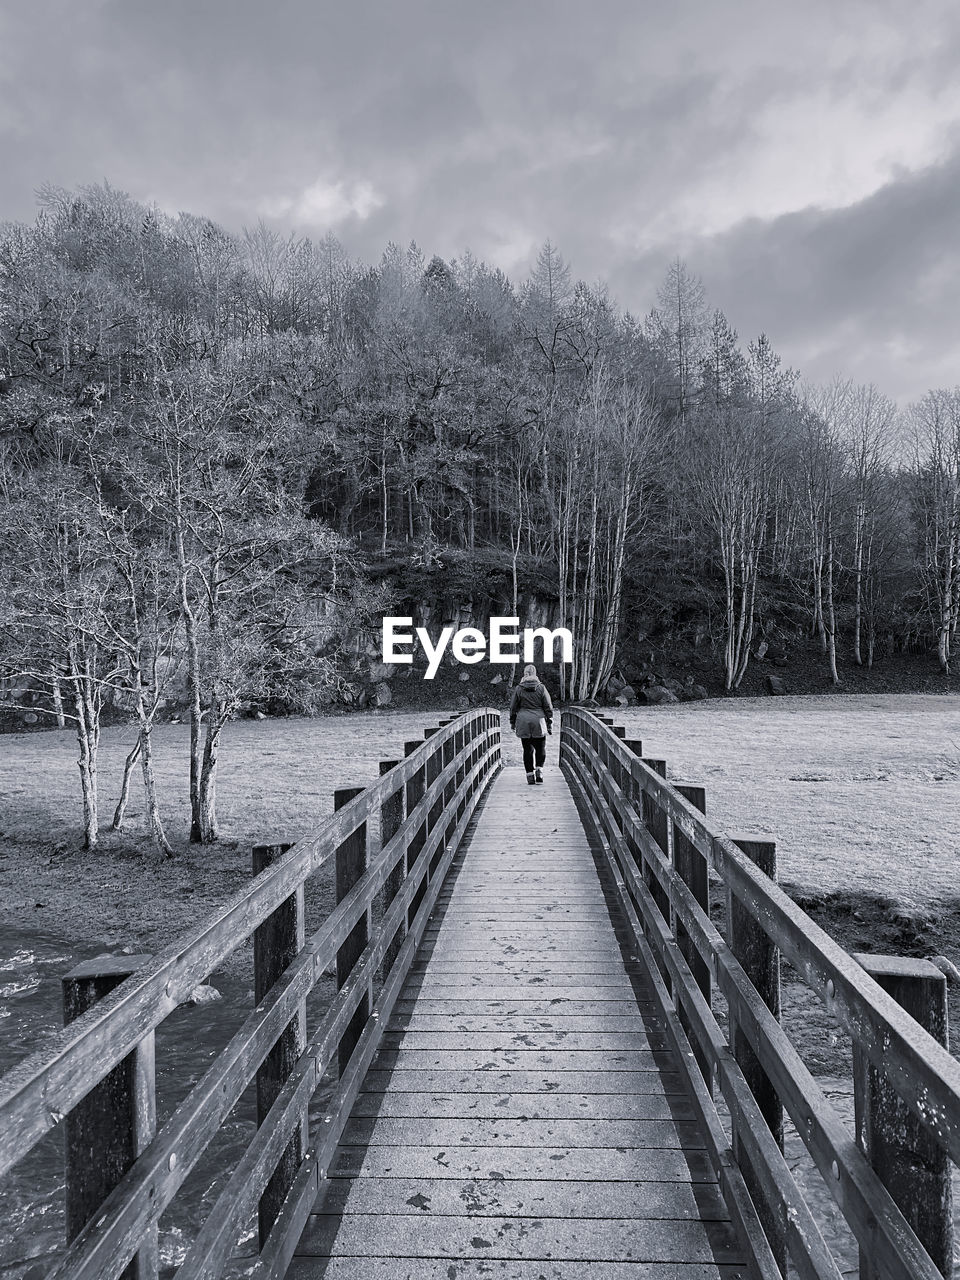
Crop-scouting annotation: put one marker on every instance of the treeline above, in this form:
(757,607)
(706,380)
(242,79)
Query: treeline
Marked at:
(210,444)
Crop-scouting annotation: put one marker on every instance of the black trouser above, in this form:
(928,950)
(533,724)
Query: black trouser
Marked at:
(533,746)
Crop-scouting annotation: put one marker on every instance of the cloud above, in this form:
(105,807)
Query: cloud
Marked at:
(740,136)
(869,290)
(324,204)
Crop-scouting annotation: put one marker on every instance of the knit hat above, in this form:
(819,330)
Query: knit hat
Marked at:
(530,672)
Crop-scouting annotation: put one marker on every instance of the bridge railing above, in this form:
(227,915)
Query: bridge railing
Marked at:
(891,1180)
(390,846)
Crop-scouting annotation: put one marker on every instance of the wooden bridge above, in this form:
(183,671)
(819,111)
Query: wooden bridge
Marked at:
(547,1059)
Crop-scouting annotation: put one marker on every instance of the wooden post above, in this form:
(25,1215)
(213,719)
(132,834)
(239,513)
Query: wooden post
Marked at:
(391,820)
(108,1129)
(910,1162)
(632,788)
(691,866)
(351,863)
(276,943)
(760,960)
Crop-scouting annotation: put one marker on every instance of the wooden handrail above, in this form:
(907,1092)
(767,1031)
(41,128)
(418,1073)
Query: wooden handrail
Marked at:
(642,819)
(460,758)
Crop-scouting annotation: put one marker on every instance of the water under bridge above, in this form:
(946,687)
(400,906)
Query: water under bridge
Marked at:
(553,1049)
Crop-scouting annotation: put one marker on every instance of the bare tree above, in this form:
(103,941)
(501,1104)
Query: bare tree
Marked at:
(936,471)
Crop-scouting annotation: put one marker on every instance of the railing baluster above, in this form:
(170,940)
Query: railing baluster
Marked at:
(108,1129)
(912,1165)
(351,863)
(655,820)
(276,943)
(691,867)
(391,820)
(760,960)
(416,839)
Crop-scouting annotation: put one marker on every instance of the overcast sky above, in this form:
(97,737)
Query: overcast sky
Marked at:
(803,158)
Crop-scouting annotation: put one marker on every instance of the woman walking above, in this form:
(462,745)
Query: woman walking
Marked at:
(531,717)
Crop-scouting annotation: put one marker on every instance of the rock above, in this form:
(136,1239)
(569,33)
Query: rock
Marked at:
(673,685)
(777,655)
(761,650)
(201,995)
(30,717)
(379,671)
(658,695)
(259,715)
(462,703)
(777,686)
(463,677)
(627,697)
(948,969)
(694,692)
(382,695)
(497,679)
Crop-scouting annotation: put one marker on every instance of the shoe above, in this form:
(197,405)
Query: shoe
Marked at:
(539,775)
(531,778)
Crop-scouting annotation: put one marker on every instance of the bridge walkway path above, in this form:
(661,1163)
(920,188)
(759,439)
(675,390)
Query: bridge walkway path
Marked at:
(523,1119)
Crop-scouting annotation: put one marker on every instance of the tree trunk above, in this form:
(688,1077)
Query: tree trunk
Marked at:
(57,698)
(120,812)
(154,821)
(210,832)
(831,619)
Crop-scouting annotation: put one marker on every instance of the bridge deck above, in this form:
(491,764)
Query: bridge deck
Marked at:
(523,1118)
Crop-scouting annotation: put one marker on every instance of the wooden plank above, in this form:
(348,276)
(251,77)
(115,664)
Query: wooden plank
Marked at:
(494,1269)
(533,1106)
(626,1240)
(508,1041)
(402,1131)
(592,1164)
(516,989)
(534,1006)
(513,1079)
(487,1197)
(546,1060)
(452,1021)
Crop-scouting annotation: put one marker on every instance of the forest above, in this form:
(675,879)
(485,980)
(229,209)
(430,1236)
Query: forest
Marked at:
(224,458)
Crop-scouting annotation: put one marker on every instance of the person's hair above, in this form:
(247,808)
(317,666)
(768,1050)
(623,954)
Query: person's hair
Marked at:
(529,670)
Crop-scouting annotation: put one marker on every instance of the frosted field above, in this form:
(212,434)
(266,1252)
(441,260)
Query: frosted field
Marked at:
(860,792)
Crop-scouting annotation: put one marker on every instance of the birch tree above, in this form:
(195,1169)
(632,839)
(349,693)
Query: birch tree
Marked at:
(936,482)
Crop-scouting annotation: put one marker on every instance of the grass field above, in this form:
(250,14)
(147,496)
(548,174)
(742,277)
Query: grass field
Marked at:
(860,792)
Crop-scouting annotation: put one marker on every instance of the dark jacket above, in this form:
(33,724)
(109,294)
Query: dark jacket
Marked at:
(531,711)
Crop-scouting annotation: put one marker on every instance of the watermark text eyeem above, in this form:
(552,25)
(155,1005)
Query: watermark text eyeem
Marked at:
(506,643)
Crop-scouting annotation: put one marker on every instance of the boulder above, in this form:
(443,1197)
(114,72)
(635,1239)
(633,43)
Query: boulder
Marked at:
(497,679)
(627,697)
(462,704)
(203,994)
(761,649)
(382,671)
(382,695)
(658,695)
(694,693)
(777,686)
(463,677)
(673,685)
